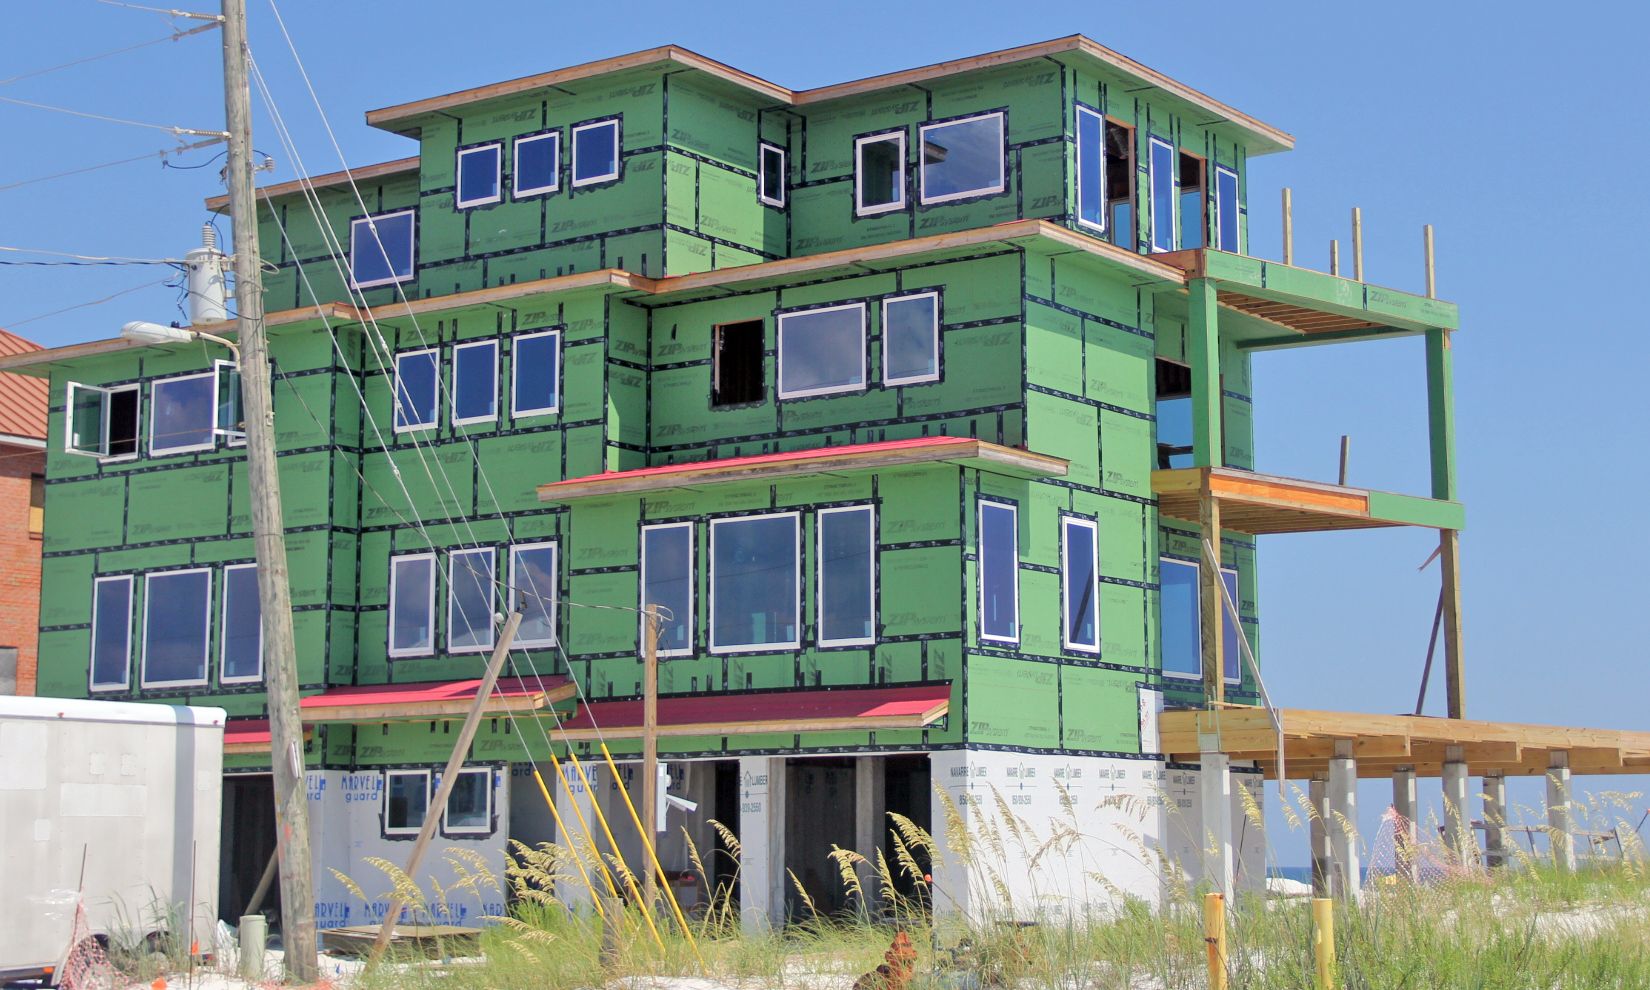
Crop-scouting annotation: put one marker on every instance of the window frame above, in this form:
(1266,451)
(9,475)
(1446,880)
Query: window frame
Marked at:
(979,526)
(765,195)
(779,352)
(911,379)
(391,650)
(447,828)
(93,686)
(497,196)
(692,584)
(1100,176)
(1001,185)
(396,391)
(820,602)
(1067,615)
(232,437)
(1197,616)
(453,556)
(206,631)
(618,152)
(458,382)
(1171,175)
(384,805)
(513,586)
(154,418)
(516,410)
(1237,626)
(904,200)
(105,392)
(223,629)
(516,190)
(1224,173)
(796,602)
(372,220)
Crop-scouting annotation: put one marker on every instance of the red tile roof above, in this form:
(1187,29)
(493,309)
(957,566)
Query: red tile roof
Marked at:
(22,398)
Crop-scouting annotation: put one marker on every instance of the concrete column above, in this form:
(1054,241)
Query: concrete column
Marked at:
(1215,797)
(1495,821)
(1560,812)
(570,806)
(1318,826)
(762,841)
(1343,821)
(1404,832)
(1458,837)
(869,823)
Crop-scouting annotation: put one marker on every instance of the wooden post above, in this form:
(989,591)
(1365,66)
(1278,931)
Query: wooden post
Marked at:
(1334,257)
(1455,677)
(1288,227)
(650,744)
(1357,244)
(1323,941)
(1432,273)
(1214,938)
(1209,601)
(1346,448)
(449,777)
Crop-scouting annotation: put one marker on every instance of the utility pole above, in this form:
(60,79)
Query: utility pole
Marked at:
(286,731)
(650,747)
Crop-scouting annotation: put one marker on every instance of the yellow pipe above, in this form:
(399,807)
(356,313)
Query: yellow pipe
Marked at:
(629,877)
(1214,936)
(561,829)
(1323,941)
(647,843)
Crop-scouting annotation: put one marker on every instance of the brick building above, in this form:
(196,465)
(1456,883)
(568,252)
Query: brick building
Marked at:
(22,508)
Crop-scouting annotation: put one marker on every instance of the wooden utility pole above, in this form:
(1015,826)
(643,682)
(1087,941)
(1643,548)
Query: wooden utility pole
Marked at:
(650,744)
(286,731)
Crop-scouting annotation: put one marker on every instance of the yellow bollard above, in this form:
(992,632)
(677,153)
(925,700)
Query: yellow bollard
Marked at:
(1323,941)
(1214,936)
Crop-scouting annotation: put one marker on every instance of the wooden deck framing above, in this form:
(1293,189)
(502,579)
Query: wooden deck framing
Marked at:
(1264,503)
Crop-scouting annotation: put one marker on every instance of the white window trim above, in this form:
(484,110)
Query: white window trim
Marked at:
(641,589)
(1220,214)
(779,369)
(491,417)
(763,193)
(454,576)
(860,209)
(103,426)
(1002,164)
(447,828)
(1197,615)
(1174,194)
(206,630)
(393,279)
(519,192)
(232,438)
(389,626)
(126,670)
(796,605)
(395,393)
(1105,207)
(1066,588)
(1238,624)
(819,552)
(154,420)
(516,411)
(223,632)
(515,585)
(979,527)
(384,805)
(935,346)
(618,153)
(497,147)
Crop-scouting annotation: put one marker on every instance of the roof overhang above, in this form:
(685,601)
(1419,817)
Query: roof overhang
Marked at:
(248,736)
(432,700)
(1263,504)
(751,713)
(381,170)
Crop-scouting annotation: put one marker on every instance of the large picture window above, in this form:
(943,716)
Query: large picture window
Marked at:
(595,152)
(183,414)
(1226,209)
(533,591)
(911,339)
(963,158)
(535,373)
(1080,584)
(475,382)
(241,655)
(999,565)
(412,605)
(480,180)
(879,173)
(822,351)
(176,619)
(1091,169)
(469,808)
(667,581)
(406,801)
(1163,166)
(754,583)
(847,576)
(1179,622)
(417,382)
(470,601)
(538,165)
(111,664)
(381,249)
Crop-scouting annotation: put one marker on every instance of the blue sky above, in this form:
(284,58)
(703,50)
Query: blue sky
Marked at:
(1510,128)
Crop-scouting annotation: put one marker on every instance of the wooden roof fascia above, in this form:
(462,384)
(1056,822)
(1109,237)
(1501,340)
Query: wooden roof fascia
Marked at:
(218,204)
(1267,504)
(846,723)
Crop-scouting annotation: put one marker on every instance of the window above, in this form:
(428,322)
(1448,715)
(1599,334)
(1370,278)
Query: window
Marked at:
(1174,415)
(1162,176)
(37,505)
(738,364)
(475,382)
(1080,583)
(1178,619)
(1091,169)
(177,609)
(770,176)
(417,379)
(241,655)
(538,165)
(406,801)
(535,373)
(667,581)
(754,581)
(381,249)
(231,414)
(1226,209)
(963,158)
(479,181)
(879,174)
(412,605)
(469,808)
(999,572)
(1119,175)
(533,591)
(847,576)
(102,422)
(183,414)
(1231,654)
(911,339)
(470,601)
(595,152)
(1194,217)
(822,351)
(111,633)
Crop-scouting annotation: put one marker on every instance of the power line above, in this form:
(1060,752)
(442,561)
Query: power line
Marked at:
(180,131)
(162,155)
(84,259)
(168,11)
(94,302)
(174,36)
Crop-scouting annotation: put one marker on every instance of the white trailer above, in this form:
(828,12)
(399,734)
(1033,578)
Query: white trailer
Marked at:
(109,806)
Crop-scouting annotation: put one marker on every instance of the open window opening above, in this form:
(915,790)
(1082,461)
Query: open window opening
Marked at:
(1119,176)
(737,365)
(879,174)
(1174,415)
(1194,203)
(102,422)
